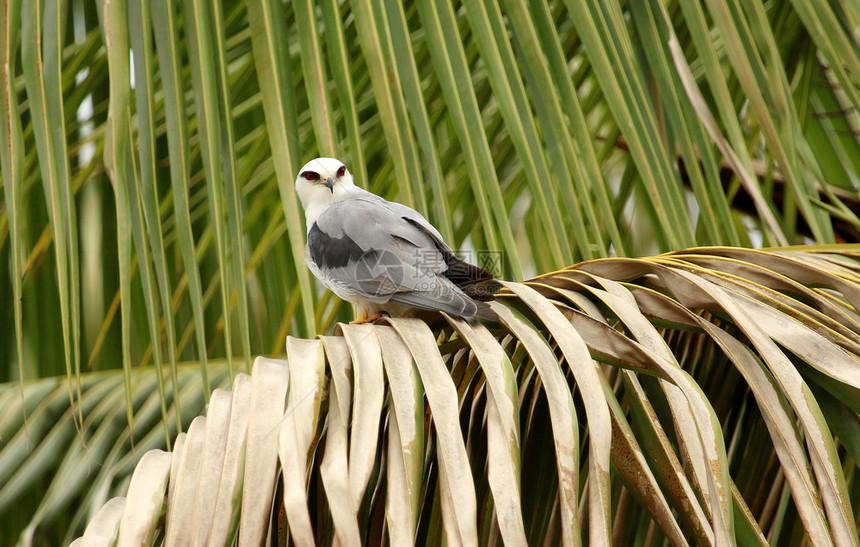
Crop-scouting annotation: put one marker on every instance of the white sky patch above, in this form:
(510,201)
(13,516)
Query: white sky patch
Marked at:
(753,232)
(131,69)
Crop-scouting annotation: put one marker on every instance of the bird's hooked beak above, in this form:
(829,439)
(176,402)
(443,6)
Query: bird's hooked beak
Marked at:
(329,183)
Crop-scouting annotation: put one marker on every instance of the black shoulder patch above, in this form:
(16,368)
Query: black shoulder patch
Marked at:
(331,252)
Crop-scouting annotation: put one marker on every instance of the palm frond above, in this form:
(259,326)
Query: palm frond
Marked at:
(678,396)
(148,218)
(585,137)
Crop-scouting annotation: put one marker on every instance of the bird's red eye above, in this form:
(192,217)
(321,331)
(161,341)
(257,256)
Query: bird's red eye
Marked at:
(341,170)
(311,175)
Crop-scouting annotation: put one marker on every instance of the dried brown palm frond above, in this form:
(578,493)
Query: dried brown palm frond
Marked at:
(705,396)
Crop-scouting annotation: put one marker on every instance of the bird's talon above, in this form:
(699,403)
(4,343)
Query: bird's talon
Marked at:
(364,318)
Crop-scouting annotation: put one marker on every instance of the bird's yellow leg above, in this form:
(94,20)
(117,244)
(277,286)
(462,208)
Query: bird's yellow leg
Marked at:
(363,317)
(360,318)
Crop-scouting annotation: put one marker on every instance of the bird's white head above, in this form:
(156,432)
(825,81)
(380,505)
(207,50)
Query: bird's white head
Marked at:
(322,181)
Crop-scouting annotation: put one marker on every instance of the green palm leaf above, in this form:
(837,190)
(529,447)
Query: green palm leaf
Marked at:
(151,242)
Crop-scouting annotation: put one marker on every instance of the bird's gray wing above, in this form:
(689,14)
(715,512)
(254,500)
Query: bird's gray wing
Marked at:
(476,282)
(368,249)
(417,219)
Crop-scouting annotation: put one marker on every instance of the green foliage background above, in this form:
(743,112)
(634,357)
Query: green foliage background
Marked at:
(148,152)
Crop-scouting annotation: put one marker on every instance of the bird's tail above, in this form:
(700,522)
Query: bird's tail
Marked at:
(478,283)
(485,312)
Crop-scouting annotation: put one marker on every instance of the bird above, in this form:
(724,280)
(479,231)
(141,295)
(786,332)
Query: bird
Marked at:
(382,256)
